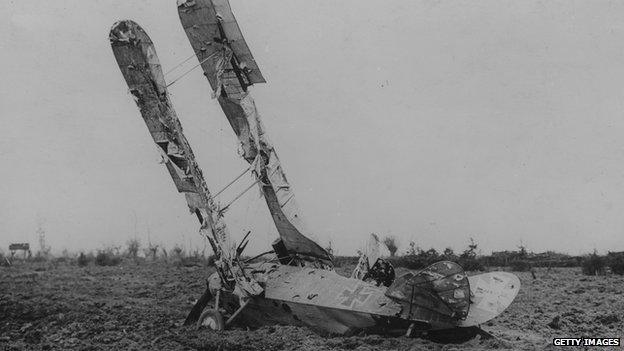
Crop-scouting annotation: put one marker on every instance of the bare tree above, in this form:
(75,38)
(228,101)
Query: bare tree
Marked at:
(391,244)
(133,247)
(44,248)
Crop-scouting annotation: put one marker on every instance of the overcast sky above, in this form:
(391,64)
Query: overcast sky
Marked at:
(433,121)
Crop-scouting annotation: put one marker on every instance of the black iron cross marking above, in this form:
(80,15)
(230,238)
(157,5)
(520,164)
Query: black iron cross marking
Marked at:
(355,295)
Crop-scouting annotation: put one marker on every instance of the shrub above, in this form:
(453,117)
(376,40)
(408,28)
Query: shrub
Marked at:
(190,259)
(616,262)
(40,257)
(62,259)
(520,265)
(177,251)
(83,260)
(107,258)
(195,259)
(593,265)
(416,258)
(471,264)
(468,259)
(449,255)
(152,251)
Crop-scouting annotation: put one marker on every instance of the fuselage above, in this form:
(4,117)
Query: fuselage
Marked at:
(328,302)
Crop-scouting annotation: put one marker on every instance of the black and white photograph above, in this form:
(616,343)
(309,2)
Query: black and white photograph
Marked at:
(312,175)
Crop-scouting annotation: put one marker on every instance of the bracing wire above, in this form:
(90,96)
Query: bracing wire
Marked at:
(179,64)
(232,182)
(192,68)
(223,209)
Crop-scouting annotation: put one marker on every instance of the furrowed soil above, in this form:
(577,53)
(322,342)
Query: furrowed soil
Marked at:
(141,306)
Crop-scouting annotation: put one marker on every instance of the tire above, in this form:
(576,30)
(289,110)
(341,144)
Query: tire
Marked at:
(211,319)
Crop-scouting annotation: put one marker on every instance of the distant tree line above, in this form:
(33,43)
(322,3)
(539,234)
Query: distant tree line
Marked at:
(516,260)
(413,258)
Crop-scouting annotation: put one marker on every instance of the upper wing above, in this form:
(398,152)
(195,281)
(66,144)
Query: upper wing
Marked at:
(141,69)
(217,40)
(227,63)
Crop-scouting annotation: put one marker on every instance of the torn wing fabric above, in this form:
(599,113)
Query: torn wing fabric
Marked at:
(278,194)
(286,213)
(141,69)
(211,27)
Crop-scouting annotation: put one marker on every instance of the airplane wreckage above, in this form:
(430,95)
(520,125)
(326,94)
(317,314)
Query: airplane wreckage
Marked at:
(295,282)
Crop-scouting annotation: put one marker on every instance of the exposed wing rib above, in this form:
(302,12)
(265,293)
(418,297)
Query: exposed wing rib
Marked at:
(212,30)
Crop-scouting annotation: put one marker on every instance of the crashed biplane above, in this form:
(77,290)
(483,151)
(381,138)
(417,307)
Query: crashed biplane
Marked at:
(295,282)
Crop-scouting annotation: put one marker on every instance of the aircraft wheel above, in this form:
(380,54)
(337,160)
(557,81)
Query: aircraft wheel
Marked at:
(211,319)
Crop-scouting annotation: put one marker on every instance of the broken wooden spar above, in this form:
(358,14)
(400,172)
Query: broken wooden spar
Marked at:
(139,64)
(230,68)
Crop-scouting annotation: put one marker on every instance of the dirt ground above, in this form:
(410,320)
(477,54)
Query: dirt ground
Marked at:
(141,306)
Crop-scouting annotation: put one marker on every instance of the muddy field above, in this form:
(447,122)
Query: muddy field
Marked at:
(141,306)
